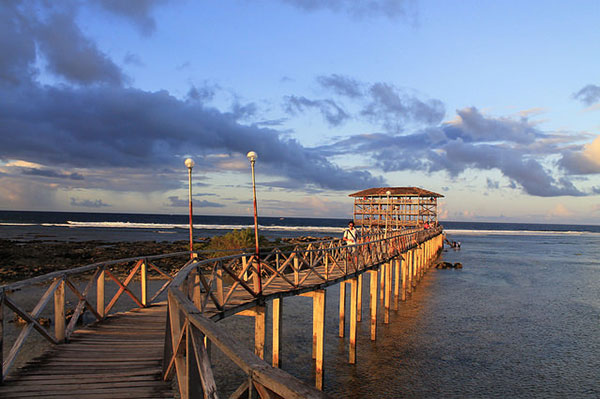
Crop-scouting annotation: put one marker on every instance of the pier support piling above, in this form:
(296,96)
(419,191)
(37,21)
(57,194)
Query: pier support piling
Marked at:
(353,324)
(277,313)
(342,325)
(318,335)
(373,302)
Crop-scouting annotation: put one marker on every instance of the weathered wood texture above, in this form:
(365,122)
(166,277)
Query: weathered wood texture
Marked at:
(129,355)
(118,358)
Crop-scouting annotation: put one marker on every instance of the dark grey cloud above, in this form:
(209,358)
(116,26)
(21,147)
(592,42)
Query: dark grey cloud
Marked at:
(577,164)
(202,93)
(474,141)
(51,173)
(69,54)
(331,111)
(380,103)
(176,202)
(48,35)
(137,11)
(588,95)
(392,9)
(475,127)
(393,108)
(342,85)
(114,127)
(17,45)
(86,203)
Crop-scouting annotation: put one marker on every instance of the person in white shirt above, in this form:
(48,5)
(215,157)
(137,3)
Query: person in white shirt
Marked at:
(350,234)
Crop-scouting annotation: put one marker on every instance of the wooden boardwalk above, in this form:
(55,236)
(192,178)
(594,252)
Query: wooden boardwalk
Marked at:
(129,355)
(118,358)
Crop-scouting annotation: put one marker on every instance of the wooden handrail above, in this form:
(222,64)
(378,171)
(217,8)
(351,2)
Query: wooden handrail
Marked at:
(299,263)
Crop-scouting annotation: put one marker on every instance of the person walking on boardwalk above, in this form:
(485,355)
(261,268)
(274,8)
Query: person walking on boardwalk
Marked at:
(350,234)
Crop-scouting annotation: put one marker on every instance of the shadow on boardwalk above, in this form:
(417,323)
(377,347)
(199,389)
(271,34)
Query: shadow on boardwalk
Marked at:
(118,358)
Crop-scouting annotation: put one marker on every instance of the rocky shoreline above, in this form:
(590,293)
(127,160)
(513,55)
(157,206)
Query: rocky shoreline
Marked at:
(20,260)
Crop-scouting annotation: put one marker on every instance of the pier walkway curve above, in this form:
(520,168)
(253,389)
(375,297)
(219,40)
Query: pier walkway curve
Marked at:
(161,347)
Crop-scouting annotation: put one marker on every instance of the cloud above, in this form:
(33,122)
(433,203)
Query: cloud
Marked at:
(584,162)
(17,46)
(472,141)
(588,95)
(133,59)
(69,54)
(396,108)
(472,126)
(138,12)
(114,127)
(492,185)
(332,112)
(50,34)
(391,9)
(380,103)
(342,85)
(176,202)
(86,203)
(560,211)
(52,173)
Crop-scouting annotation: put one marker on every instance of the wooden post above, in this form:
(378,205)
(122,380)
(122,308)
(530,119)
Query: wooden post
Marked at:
(100,294)
(193,382)
(197,292)
(419,257)
(397,282)
(353,324)
(388,291)
(296,271)
(144,283)
(382,283)
(342,308)
(277,312)
(59,311)
(359,303)
(319,335)
(219,278)
(260,331)
(244,263)
(373,303)
(409,271)
(403,266)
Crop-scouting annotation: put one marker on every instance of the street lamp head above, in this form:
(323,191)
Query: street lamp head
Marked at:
(189,163)
(252,156)
(388,192)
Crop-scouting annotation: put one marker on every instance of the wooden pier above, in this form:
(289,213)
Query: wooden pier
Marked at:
(136,354)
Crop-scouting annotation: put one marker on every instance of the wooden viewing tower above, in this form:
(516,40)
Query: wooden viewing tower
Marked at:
(394,208)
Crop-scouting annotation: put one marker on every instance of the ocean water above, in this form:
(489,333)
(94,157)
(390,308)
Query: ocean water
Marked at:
(520,320)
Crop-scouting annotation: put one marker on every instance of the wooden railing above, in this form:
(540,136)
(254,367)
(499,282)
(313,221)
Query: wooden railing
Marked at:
(208,290)
(202,292)
(61,285)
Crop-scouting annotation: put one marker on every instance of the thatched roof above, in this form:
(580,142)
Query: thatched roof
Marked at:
(396,192)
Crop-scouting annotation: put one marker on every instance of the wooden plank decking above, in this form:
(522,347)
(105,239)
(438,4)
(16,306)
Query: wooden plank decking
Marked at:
(118,358)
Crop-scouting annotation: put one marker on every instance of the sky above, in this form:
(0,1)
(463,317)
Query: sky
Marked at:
(495,105)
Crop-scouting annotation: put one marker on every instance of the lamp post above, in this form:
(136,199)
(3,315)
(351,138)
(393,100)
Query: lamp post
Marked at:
(189,163)
(252,158)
